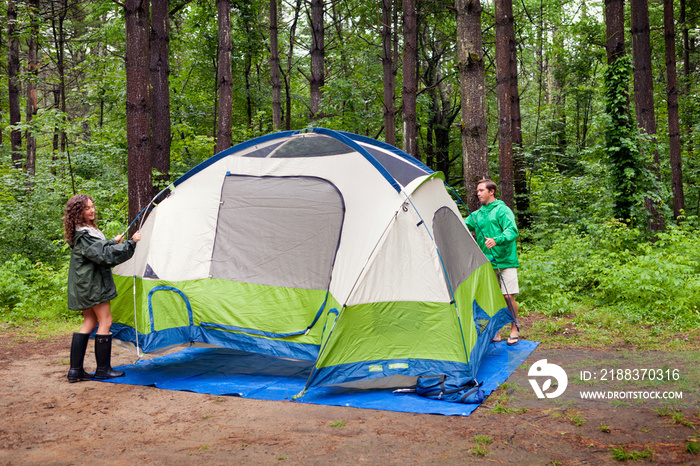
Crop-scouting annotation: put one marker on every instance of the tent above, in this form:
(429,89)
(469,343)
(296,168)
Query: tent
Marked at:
(314,245)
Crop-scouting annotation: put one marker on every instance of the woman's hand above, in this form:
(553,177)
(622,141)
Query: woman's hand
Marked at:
(119,238)
(137,236)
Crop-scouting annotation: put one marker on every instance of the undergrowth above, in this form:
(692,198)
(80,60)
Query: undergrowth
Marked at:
(615,268)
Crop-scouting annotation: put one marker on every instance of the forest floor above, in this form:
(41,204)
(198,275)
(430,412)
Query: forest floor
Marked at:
(46,420)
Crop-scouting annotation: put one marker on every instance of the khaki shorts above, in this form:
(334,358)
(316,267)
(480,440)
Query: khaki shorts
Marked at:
(510,277)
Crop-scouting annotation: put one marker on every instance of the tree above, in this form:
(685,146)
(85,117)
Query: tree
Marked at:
(504,36)
(435,50)
(33,73)
(288,73)
(520,190)
(388,72)
(473,128)
(138,108)
(13,82)
(225,79)
(317,52)
(644,96)
(621,151)
(160,90)
(275,70)
(410,80)
(59,89)
(674,132)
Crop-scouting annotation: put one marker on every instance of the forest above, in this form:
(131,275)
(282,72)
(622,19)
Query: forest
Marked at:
(586,113)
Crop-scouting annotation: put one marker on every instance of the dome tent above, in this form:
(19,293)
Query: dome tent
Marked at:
(317,245)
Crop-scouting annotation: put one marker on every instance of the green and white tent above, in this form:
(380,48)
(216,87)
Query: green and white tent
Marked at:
(316,245)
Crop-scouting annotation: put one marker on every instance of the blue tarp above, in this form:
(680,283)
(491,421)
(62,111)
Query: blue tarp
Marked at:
(219,371)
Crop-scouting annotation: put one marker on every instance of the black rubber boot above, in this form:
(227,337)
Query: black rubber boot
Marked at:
(77,356)
(103,356)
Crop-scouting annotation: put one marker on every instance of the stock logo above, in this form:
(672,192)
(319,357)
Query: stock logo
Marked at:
(542,369)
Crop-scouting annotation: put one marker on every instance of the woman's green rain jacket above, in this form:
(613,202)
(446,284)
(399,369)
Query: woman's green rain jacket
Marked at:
(90,279)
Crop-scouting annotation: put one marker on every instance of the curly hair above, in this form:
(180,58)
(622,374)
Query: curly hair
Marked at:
(73,216)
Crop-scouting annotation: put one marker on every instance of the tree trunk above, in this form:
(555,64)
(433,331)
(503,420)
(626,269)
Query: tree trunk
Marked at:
(521,192)
(674,133)
(388,74)
(504,24)
(225,80)
(33,72)
(644,94)
(160,91)
(275,70)
(615,29)
(686,46)
(624,166)
(473,91)
(57,23)
(317,60)
(287,76)
(13,82)
(410,81)
(138,108)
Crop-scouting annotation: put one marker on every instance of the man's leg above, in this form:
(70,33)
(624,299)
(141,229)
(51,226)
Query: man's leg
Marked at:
(513,306)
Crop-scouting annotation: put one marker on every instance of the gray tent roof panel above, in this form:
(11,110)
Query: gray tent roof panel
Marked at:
(311,146)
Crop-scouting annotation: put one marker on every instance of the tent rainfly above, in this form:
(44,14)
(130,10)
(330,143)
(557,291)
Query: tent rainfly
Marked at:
(315,245)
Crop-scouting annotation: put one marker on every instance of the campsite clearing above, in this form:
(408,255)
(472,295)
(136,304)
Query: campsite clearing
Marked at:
(49,421)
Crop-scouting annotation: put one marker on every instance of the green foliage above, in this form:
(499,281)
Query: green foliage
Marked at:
(616,267)
(30,291)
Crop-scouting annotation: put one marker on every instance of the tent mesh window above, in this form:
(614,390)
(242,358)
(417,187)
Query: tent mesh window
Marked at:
(263,152)
(459,252)
(312,146)
(277,231)
(403,171)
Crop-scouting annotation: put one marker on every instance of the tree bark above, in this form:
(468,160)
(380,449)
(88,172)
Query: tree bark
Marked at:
(225,79)
(623,164)
(317,60)
(275,70)
(410,81)
(138,106)
(504,24)
(686,45)
(473,91)
(13,83)
(33,72)
(388,74)
(287,76)
(521,192)
(674,133)
(644,94)
(160,91)
(57,27)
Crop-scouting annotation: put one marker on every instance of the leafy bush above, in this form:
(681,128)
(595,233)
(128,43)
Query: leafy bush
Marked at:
(617,268)
(30,291)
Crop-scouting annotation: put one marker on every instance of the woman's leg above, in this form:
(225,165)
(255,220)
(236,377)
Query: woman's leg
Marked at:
(103,344)
(89,321)
(79,346)
(103,312)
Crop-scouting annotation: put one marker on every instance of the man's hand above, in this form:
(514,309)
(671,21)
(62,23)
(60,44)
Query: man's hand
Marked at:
(490,242)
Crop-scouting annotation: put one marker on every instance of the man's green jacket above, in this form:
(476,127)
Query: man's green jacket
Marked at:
(90,279)
(496,220)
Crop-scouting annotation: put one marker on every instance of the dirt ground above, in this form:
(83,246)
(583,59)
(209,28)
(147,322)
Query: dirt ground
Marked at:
(46,420)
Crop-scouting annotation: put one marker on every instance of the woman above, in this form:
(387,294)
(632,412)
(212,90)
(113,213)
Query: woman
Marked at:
(91,286)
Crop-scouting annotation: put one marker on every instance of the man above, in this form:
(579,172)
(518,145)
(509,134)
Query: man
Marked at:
(495,228)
